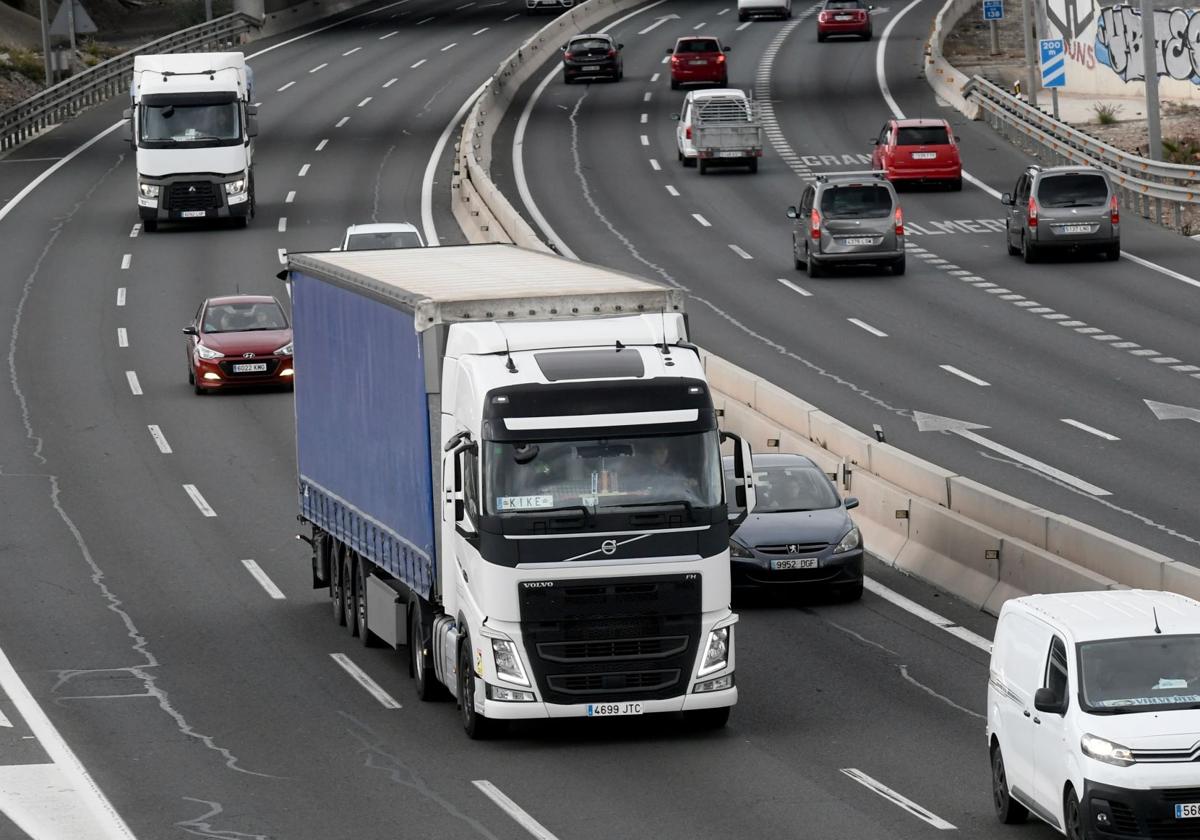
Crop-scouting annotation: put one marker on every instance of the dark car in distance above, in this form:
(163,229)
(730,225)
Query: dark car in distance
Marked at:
(800,535)
(237,341)
(592,57)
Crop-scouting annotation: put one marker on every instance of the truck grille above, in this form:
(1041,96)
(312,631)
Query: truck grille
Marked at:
(608,649)
(192,195)
(622,683)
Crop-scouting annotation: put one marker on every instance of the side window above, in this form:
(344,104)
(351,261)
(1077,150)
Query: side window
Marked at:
(470,478)
(199,315)
(1026,183)
(806,202)
(1055,676)
(885,134)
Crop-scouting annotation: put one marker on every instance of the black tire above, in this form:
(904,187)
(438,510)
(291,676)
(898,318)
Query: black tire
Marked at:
(477,727)
(702,165)
(820,38)
(191,375)
(814,267)
(200,392)
(1028,250)
(1073,822)
(850,592)
(707,719)
(956,185)
(349,595)
(1112,253)
(241,221)
(335,586)
(420,660)
(753,165)
(743,18)
(1008,810)
(150,225)
(1013,250)
(567,79)
(674,85)
(897,269)
(687,161)
(362,617)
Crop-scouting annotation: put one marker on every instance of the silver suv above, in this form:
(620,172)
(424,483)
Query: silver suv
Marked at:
(1062,207)
(848,218)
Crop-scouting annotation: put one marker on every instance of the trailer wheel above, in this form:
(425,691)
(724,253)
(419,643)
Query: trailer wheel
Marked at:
(478,727)
(420,662)
(365,635)
(335,586)
(349,596)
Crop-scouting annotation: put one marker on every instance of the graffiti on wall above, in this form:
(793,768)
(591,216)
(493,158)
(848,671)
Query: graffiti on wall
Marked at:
(1176,36)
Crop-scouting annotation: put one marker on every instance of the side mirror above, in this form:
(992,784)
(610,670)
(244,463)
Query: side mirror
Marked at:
(728,49)
(671,51)
(793,213)
(851,503)
(190,330)
(620,46)
(1007,199)
(957,138)
(874,141)
(675,117)
(563,48)
(1045,700)
(743,477)
(252,126)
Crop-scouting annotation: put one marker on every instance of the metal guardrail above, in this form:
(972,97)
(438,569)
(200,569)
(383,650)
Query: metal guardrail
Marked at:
(1150,187)
(96,84)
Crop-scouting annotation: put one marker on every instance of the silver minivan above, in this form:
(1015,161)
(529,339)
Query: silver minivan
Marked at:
(848,218)
(1062,208)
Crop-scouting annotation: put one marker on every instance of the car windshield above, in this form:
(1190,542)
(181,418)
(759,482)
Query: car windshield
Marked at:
(243,317)
(698,45)
(1146,673)
(922,135)
(210,123)
(589,44)
(1075,190)
(640,472)
(856,201)
(383,240)
(784,489)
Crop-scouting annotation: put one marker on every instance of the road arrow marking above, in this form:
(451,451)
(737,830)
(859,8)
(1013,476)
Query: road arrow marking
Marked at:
(1166,411)
(658,23)
(5,721)
(962,428)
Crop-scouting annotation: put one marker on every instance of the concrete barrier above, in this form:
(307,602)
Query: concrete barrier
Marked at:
(1182,578)
(911,473)
(1101,552)
(1026,569)
(952,552)
(729,379)
(945,79)
(841,439)
(884,532)
(995,509)
(786,409)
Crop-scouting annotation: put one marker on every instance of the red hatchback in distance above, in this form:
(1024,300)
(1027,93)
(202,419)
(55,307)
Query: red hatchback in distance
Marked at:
(918,150)
(844,17)
(239,340)
(698,59)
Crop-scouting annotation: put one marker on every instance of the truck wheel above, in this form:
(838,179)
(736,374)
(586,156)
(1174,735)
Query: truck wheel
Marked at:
(753,165)
(478,727)
(674,85)
(365,635)
(348,593)
(702,165)
(150,225)
(420,663)
(241,221)
(707,719)
(335,586)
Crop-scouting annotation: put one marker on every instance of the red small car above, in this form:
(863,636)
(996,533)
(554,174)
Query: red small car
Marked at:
(697,59)
(918,150)
(239,340)
(844,17)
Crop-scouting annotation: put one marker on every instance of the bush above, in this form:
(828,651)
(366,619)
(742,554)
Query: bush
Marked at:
(1106,114)
(1181,150)
(28,64)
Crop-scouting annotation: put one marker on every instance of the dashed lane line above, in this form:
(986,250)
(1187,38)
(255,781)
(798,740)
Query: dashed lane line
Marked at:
(898,799)
(285,87)
(360,676)
(703,221)
(256,571)
(160,440)
(741,252)
(319,67)
(1091,430)
(122,337)
(418,64)
(322,145)
(351,52)
(341,122)
(199,500)
(863,325)
(303,171)
(121,296)
(962,374)
(514,810)
(134,385)
(126,261)
(797,289)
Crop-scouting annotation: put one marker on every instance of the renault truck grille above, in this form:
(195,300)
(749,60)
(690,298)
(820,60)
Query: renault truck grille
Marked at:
(192,195)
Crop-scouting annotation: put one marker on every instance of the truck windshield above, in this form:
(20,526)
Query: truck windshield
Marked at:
(603,473)
(1142,674)
(213,124)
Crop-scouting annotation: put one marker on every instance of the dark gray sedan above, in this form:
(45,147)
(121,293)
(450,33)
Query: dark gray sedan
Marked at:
(799,535)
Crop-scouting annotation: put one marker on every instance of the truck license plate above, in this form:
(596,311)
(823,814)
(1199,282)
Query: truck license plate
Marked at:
(613,709)
(924,155)
(732,154)
(1187,811)
(794,563)
(1076,228)
(193,214)
(251,367)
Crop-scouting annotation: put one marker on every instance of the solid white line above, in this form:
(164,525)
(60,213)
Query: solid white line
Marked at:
(672,190)
(480,31)
(126,261)
(741,252)
(196,497)
(390,82)
(897,799)
(418,64)
(510,17)
(645,140)
(420,22)
(64,759)
(291,196)
(449,46)
(135,230)
(319,67)
(365,101)
(744,25)
(122,337)
(285,87)
(952,369)
(264,581)
(282,224)
(132,378)
(655,165)
(1160,269)
(652,26)
(160,439)
(794,287)
(864,325)
(703,221)
(121,296)
(303,171)
(351,52)
(431,236)
(341,122)
(389,35)
(513,810)
(925,614)
(1092,430)
(360,676)
(321,29)
(322,145)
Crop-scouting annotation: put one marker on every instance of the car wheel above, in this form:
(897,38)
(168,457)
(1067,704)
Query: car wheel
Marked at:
(674,85)
(1073,817)
(1028,250)
(150,225)
(191,375)
(1008,810)
(349,595)
(702,165)
(200,391)
(814,268)
(743,18)
(796,259)
(567,79)
(335,587)
(707,719)
(241,221)
(820,38)
(866,36)
(1013,250)
(956,185)
(753,165)
(360,599)
(851,592)
(477,726)
(1113,252)
(898,267)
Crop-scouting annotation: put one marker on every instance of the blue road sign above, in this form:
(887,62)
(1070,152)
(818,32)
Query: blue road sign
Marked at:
(1054,63)
(993,9)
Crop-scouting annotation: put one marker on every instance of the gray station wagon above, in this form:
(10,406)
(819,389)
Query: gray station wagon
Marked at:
(848,218)
(1061,208)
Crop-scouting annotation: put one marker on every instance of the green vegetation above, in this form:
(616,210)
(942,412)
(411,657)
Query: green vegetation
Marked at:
(1106,114)
(27,63)
(1181,150)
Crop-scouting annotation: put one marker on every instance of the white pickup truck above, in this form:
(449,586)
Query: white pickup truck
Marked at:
(719,127)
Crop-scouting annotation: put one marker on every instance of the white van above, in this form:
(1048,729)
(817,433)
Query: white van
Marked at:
(1093,716)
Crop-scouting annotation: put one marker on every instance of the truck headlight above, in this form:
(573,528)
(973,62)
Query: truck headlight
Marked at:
(149,190)
(508,662)
(1104,750)
(208,353)
(285,350)
(235,187)
(851,541)
(716,652)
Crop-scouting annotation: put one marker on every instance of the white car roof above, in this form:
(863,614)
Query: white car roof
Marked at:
(1116,614)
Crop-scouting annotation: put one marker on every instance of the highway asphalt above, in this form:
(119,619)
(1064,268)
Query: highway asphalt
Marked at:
(203,706)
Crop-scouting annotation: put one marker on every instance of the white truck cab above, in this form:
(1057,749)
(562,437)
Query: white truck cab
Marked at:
(1093,713)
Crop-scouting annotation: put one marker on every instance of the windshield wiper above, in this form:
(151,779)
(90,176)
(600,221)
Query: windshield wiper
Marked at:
(1117,710)
(564,509)
(791,510)
(684,503)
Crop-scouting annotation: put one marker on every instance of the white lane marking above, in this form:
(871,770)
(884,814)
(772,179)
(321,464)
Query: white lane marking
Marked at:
(303,171)
(360,676)
(121,296)
(653,26)
(283,224)
(282,252)
(647,96)
(449,46)
(741,252)
(962,373)
(126,261)
(418,64)
(341,122)
(421,22)
(645,140)
(700,25)
(319,67)
(133,233)
(160,440)
(654,78)
(1032,463)
(513,810)
(927,615)
(322,145)
(389,35)
(865,326)
(479,31)
(665,59)
(265,582)
(723,11)
(744,25)
(655,165)
(132,378)
(73,775)
(897,799)
(365,101)
(510,17)
(321,29)
(794,287)
(1160,269)
(351,52)
(390,82)
(291,196)
(672,190)
(122,337)
(1092,430)
(644,118)
(703,221)
(464,6)
(4,721)
(285,87)
(431,236)
(199,500)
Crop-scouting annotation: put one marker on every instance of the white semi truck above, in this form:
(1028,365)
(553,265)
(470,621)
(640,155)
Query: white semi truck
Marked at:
(193,124)
(510,464)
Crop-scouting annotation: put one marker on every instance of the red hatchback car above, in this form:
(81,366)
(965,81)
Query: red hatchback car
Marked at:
(698,60)
(844,17)
(237,341)
(918,150)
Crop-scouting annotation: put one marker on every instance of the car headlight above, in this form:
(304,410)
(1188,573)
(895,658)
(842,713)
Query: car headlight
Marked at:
(285,350)
(208,353)
(716,652)
(508,662)
(851,541)
(235,187)
(736,549)
(149,190)
(1104,750)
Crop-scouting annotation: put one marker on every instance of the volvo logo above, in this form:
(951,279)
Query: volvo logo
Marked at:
(608,547)
(537,584)
(247,355)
